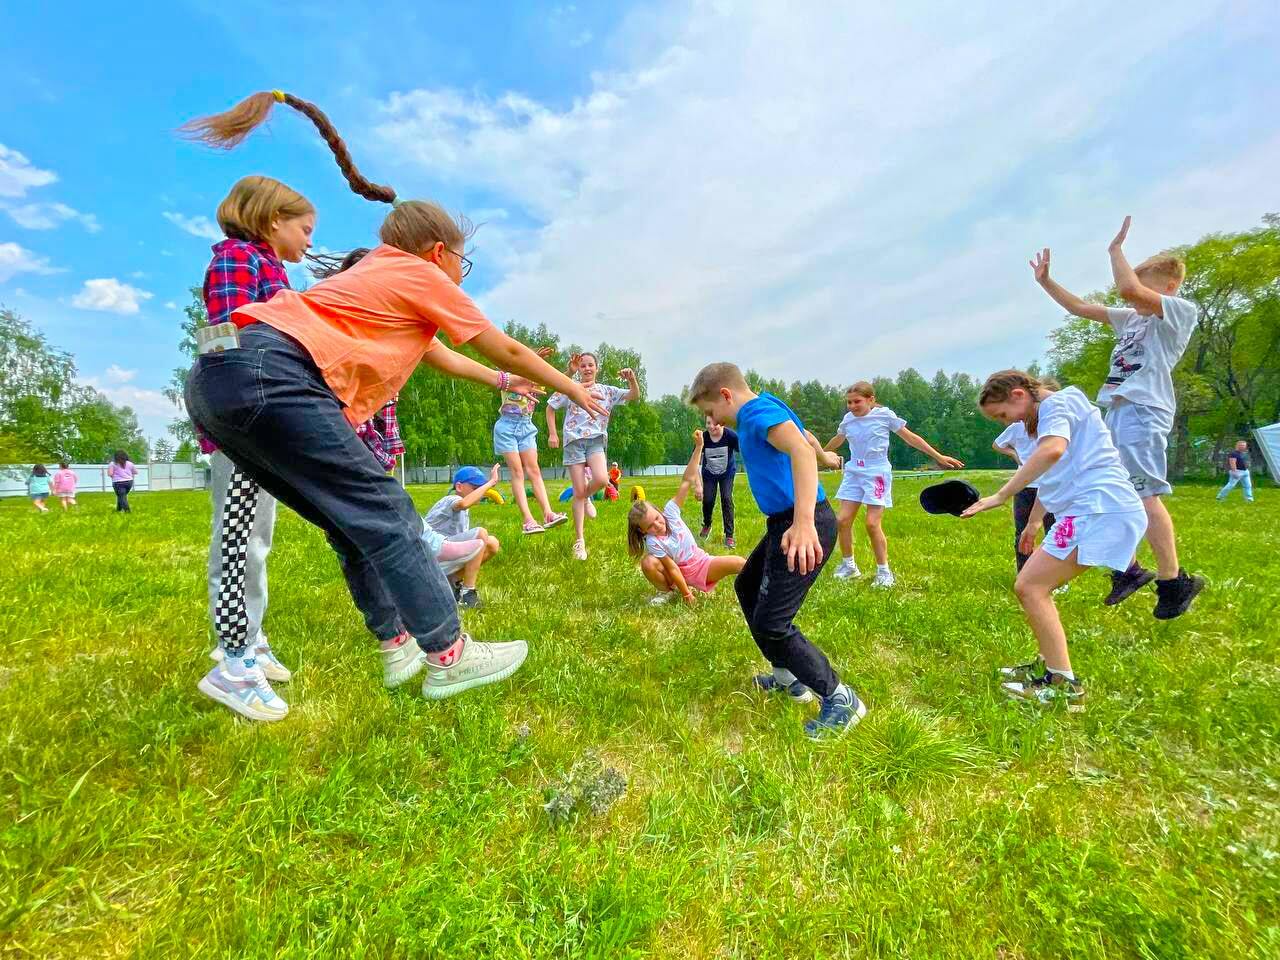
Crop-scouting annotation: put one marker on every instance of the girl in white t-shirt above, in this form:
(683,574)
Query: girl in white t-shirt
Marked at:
(868,477)
(670,558)
(586,435)
(1100,519)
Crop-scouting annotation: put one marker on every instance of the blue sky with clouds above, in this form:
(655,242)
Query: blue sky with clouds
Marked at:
(824,190)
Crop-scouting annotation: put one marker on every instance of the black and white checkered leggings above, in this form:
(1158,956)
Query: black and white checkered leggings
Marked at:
(230,616)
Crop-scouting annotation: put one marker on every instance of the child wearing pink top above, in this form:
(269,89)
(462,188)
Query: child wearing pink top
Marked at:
(121,472)
(64,485)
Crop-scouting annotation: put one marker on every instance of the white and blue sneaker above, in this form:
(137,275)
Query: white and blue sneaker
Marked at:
(248,694)
(276,671)
(768,683)
(848,570)
(839,712)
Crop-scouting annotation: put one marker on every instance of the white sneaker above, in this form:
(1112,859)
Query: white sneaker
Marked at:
(661,598)
(847,570)
(579,550)
(249,695)
(402,662)
(479,664)
(1059,591)
(591,509)
(276,671)
(883,578)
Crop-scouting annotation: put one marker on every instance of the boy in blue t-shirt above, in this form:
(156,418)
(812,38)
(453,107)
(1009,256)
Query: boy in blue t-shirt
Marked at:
(781,459)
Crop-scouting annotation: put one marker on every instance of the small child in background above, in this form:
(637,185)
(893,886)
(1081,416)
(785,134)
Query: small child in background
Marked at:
(515,439)
(868,475)
(670,558)
(615,479)
(64,485)
(451,518)
(38,487)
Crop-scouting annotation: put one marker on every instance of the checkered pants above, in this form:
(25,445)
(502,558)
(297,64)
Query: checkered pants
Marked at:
(230,617)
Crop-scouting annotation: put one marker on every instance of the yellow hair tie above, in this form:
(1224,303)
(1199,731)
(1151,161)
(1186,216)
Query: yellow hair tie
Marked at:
(278,94)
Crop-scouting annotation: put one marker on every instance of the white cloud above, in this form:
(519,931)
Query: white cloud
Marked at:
(46,216)
(117,374)
(110,295)
(17,175)
(170,305)
(15,260)
(153,408)
(836,195)
(198,226)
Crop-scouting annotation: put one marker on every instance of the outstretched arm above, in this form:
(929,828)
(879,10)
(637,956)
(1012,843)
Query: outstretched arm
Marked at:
(826,459)
(1048,452)
(1135,292)
(510,354)
(459,365)
(1064,298)
(472,498)
(917,441)
(691,472)
(835,442)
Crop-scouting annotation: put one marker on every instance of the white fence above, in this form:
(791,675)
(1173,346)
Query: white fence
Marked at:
(92,477)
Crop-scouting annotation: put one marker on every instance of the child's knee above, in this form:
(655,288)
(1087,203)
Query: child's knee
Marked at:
(1026,589)
(516,468)
(493,545)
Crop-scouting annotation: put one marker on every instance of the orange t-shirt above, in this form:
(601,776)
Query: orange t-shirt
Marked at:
(368,327)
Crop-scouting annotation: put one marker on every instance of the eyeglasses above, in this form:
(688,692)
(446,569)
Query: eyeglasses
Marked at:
(466,264)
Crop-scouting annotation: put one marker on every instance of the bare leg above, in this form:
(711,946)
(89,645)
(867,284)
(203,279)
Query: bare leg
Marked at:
(844,526)
(578,476)
(1161,537)
(599,477)
(1034,588)
(516,466)
(875,533)
(529,459)
(655,573)
(721,567)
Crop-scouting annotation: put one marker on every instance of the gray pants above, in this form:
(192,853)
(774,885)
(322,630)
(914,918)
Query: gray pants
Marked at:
(256,549)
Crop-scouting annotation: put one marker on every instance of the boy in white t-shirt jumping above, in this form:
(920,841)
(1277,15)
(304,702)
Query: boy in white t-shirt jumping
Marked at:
(1151,335)
(868,476)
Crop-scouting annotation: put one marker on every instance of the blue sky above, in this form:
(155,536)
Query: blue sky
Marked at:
(814,190)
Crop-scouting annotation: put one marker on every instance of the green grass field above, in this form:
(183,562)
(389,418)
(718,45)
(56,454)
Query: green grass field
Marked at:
(140,819)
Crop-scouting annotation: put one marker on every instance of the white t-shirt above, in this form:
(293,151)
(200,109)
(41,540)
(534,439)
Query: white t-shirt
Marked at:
(580,425)
(1015,436)
(678,544)
(1090,477)
(445,520)
(1146,351)
(869,436)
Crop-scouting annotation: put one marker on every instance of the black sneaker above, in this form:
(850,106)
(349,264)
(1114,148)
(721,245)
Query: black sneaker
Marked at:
(469,598)
(1125,585)
(796,690)
(1173,597)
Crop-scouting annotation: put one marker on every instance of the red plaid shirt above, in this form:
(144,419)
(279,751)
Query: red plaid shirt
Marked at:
(239,274)
(381,434)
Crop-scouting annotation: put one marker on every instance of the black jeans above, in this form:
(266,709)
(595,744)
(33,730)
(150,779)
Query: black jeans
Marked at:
(771,596)
(122,488)
(722,483)
(1023,501)
(269,409)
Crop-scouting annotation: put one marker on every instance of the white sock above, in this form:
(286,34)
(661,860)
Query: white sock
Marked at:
(1062,673)
(882,568)
(784,676)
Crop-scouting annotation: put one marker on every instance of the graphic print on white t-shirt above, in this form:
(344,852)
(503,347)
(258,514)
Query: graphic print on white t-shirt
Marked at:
(1089,478)
(1146,351)
(868,436)
(1015,435)
(678,544)
(580,425)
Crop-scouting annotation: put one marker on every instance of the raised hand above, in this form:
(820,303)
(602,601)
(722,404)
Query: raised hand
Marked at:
(1040,265)
(544,352)
(626,373)
(1118,242)
(697,438)
(493,474)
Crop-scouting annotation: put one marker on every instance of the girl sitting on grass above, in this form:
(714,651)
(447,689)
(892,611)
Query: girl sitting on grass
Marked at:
(670,558)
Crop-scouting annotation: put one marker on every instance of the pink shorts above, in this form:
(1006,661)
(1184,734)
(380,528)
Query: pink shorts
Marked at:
(695,571)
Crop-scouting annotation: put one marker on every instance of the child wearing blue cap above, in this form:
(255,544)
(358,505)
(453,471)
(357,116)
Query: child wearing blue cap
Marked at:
(450,517)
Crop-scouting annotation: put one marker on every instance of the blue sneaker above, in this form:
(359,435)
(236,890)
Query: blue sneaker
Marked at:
(796,690)
(249,694)
(839,712)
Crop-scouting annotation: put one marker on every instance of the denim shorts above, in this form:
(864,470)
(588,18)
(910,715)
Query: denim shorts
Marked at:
(577,451)
(514,434)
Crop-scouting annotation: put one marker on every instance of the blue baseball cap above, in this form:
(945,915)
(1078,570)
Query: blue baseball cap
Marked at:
(472,475)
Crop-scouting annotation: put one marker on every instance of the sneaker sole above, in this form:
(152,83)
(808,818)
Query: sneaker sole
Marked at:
(213,693)
(555,523)
(1196,586)
(1147,577)
(441,693)
(1023,698)
(403,676)
(276,674)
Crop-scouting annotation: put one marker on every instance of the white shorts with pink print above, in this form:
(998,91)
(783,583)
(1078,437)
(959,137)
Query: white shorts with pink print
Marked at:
(1102,539)
(872,485)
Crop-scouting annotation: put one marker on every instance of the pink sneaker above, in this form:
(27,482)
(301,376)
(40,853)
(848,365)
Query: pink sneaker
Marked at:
(533,526)
(554,520)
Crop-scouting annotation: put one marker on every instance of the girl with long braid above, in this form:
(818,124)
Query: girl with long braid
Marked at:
(283,398)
